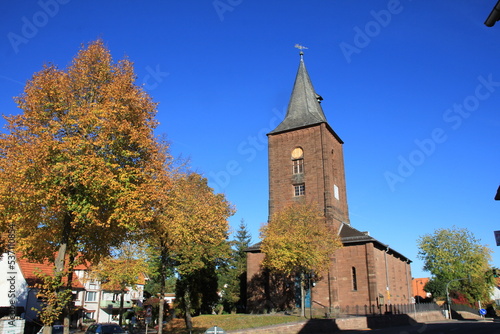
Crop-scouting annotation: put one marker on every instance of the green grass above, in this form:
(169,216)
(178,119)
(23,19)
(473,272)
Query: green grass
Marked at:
(229,322)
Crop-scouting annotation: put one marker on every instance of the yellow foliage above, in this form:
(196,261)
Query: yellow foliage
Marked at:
(298,240)
(192,225)
(81,153)
(78,163)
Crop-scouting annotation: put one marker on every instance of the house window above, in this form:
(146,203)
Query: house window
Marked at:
(298,166)
(299,189)
(89,315)
(90,296)
(354,279)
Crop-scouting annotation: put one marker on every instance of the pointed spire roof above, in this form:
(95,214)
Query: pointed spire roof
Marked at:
(304,108)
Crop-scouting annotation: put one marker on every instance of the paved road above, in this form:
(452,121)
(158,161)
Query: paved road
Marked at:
(445,327)
(442,327)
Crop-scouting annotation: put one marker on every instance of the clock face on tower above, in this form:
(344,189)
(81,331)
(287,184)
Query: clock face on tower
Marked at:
(297,153)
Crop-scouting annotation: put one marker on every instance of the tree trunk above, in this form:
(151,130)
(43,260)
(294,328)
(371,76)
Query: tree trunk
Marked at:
(302,296)
(69,304)
(59,264)
(120,310)
(187,310)
(163,268)
(161,303)
(310,287)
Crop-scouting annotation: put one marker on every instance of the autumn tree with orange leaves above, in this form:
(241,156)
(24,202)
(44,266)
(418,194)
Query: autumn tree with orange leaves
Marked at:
(123,270)
(78,164)
(189,235)
(298,241)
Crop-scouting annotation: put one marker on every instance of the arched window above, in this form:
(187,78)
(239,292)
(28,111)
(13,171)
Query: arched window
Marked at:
(298,161)
(354,279)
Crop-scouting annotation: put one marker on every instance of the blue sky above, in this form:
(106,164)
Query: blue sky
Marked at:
(411,86)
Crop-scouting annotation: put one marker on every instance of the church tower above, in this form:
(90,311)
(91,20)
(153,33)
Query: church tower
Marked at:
(306,165)
(306,162)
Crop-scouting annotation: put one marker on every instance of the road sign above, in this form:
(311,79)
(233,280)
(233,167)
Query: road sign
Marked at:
(482,311)
(497,237)
(215,330)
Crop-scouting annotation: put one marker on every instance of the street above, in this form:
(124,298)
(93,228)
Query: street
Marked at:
(455,327)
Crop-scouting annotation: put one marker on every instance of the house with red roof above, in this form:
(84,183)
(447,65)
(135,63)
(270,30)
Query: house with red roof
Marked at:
(418,285)
(92,299)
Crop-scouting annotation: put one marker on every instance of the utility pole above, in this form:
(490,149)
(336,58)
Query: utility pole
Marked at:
(448,294)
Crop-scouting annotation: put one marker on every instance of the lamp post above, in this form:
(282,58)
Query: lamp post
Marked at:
(418,284)
(448,294)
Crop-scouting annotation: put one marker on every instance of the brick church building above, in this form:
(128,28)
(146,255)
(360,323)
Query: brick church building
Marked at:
(306,164)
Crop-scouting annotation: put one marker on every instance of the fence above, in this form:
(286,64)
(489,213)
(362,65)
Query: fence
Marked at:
(464,308)
(374,310)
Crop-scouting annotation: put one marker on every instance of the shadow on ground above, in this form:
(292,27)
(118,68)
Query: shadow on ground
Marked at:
(320,326)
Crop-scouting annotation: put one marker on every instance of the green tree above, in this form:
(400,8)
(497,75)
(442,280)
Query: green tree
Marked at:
(189,234)
(77,162)
(122,270)
(456,258)
(436,288)
(153,285)
(200,237)
(232,275)
(196,291)
(242,242)
(161,264)
(298,241)
(159,236)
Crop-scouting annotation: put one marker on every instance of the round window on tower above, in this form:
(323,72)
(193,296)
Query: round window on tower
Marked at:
(297,153)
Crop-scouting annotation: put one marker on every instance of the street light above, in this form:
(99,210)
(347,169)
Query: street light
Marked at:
(448,294)
(494,15)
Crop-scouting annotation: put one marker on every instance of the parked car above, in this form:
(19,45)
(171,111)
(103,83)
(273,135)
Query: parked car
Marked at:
(105,328)
(56,329)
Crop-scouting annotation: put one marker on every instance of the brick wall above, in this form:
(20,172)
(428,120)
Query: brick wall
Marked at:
(349,257)
(380,276)
(323,171)
(373,266)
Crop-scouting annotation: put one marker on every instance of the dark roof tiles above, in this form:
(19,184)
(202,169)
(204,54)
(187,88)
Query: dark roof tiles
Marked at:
(304,108)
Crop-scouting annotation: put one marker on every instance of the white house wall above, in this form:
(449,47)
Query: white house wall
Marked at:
(101,314)
(495,295)
(12,283)
(26,297)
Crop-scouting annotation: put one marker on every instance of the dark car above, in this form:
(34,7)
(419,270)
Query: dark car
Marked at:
(56,329)
(105,329)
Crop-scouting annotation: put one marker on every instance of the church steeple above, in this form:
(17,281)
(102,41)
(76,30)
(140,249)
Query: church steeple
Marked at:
(304,108)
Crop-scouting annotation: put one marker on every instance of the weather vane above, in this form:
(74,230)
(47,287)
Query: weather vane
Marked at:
(301,47)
